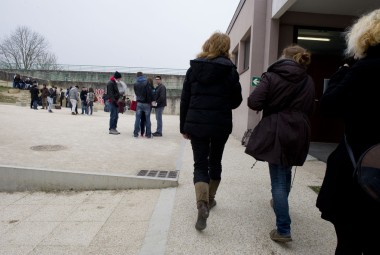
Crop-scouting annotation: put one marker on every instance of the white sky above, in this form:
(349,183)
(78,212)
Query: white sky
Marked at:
(133,33)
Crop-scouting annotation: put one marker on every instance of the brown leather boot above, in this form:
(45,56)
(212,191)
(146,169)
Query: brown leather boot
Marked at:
(201,192)
(213,187)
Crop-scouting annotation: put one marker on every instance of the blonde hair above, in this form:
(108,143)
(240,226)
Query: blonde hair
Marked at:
(216,46)
(298,54)
(363,34)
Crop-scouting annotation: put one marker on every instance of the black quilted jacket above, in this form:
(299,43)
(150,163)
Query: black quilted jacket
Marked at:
(210,91)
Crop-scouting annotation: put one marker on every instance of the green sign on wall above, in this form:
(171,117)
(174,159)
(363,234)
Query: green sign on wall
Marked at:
(255,81)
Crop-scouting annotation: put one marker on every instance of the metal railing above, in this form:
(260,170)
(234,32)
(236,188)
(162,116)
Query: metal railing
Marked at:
(96,68)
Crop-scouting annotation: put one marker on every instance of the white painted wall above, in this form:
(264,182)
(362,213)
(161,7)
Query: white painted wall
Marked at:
(242,24)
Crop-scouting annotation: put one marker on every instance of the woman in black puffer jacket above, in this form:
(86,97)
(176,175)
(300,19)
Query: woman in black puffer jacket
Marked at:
(210,91)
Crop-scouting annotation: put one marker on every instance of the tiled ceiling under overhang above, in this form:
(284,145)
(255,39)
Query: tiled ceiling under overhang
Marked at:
(339,7)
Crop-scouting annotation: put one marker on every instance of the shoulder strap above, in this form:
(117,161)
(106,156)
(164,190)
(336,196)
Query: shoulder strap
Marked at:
(349,150)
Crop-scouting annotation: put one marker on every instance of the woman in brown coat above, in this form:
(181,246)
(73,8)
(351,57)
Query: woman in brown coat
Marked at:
(286,97)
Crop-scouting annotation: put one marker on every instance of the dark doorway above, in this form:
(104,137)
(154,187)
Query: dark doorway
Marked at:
(327,47)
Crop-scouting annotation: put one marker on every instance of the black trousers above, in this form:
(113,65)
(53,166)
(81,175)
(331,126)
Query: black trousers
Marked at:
(208,153)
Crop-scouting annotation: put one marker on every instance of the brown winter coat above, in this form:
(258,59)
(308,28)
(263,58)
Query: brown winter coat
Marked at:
(286,96)
(44,92)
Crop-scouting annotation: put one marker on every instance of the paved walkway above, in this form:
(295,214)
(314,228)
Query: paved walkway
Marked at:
(86,144)
(146,221)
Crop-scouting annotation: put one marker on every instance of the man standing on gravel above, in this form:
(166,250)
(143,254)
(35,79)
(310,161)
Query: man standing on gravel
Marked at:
(159,103)
(113,97)
(44,95)
(74,97)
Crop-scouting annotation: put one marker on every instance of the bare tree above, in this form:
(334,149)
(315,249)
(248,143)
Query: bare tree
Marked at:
(25,49)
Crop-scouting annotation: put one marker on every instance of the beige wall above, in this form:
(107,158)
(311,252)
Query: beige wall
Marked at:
(254,18)
(241,26)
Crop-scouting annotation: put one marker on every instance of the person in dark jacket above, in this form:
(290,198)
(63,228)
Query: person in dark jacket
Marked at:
(159,103)
(210,91)
(16,81)
(83,100)
(44,95)
(34,96)
(61,96)
(113,97)
(285,94)
(150,89)
(144,99)
(353,95)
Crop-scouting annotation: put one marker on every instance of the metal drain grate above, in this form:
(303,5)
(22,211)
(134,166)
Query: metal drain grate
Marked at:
(142,173)
(162,174)
(158,174)
(152,173)
(173,174)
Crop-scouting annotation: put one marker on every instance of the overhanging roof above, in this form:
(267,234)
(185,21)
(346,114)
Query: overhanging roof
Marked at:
(337,7)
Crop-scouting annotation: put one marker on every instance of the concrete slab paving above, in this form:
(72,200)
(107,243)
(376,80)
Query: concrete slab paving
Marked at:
(59,151)
(85,143)
(243,218)
(157,221)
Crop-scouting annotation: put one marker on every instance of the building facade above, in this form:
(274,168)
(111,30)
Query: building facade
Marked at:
(260,29)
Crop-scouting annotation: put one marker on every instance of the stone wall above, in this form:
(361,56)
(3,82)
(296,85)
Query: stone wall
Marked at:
(86,77)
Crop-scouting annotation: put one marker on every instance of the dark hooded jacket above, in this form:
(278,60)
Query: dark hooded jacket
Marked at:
(112,91)
(143,90)
(285,94)
(34,92)
(210,91)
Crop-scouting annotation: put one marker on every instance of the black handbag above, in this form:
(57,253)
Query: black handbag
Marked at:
(367,169)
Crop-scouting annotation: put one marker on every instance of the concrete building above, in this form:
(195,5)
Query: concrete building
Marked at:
(260,29)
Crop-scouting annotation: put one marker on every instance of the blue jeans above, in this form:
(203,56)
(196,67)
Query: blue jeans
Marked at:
(140,108)
(35,104)
(90,107)
(159,112)
(84,107)
(281,177)
(114,115)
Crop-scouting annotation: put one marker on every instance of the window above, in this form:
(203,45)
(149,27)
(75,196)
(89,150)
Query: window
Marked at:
(247,46)
(236,57)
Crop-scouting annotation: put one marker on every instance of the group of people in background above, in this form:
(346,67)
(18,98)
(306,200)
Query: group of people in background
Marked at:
(45,96)
(87,98)
(148,95)
(20,82)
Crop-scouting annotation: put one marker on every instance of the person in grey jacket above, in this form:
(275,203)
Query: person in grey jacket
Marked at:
(286,96)
(74,97)
(159,103)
